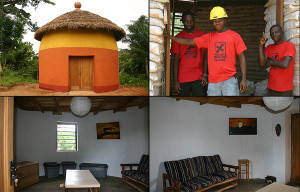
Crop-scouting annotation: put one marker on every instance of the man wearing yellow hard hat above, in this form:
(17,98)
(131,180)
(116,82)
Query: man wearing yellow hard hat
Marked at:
(223,46)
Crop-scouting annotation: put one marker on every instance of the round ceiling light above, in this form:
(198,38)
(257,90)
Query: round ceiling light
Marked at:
(277,103)
(80,105)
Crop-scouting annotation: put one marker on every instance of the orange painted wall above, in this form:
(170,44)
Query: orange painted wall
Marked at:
(54,68)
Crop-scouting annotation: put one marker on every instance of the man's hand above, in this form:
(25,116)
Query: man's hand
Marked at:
(263,39)
(165,33)
(204,80)
(243,85)
(177,86)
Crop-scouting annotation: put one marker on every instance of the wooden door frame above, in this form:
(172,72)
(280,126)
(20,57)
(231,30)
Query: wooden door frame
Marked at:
(288,143)
(6,142)
(93,67)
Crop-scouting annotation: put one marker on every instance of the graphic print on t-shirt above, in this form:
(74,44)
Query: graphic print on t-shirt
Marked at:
(191,52)
(274,57)
(220,51)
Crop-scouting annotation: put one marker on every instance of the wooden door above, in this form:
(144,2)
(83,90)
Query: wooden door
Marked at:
(81,73)
(6,142)
(295,172)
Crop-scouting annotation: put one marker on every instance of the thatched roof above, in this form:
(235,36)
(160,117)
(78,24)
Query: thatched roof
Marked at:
(79,19)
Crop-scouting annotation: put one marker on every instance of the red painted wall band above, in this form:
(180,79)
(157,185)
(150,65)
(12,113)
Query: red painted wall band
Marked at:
(54,87)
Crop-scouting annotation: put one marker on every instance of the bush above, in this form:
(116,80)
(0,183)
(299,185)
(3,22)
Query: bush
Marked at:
(129,80)
(8,77)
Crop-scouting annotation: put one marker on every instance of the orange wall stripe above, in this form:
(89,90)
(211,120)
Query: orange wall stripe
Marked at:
(63,38)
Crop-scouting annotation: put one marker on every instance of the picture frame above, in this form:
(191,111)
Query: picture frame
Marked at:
(242,126)
(108,130)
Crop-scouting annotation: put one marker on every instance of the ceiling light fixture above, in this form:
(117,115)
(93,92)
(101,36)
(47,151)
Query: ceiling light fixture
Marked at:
(278,103)
(80,105)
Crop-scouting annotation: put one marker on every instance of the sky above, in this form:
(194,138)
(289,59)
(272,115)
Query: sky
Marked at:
(120,12)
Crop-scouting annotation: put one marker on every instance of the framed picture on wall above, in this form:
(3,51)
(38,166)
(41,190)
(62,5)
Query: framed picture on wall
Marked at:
(242,126)
(108,130)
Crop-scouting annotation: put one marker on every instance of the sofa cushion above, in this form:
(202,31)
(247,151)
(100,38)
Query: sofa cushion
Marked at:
(225,174)
(143,177)
(143,166)
(179,170)
(195,184)
(213,164)
(197,166)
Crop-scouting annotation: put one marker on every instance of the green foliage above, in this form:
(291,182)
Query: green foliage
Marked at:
(64,143)
(11,32)
(24,60)
(141,81)
(10,77)
(134,61)
(16,9)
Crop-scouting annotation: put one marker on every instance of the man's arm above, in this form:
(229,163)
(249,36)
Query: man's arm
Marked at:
(243,67)
(205,70)
(262,58)
(176,67)
(284,64)
(183,41)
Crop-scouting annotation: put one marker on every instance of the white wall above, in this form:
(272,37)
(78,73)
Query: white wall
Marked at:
(36,138)
(181,129)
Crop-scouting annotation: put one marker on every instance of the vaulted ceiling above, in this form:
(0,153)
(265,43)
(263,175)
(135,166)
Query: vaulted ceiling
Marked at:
(62,104)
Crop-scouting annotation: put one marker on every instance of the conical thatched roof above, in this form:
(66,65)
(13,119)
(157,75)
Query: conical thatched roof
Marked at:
(79,19)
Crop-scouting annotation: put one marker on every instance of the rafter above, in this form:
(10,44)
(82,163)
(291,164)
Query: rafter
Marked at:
(123,104)
(56,102)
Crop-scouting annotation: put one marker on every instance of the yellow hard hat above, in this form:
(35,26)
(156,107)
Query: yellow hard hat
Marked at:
(218,12)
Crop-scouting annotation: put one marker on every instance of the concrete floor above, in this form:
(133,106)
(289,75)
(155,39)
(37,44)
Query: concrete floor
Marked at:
(109,184)
(114,184)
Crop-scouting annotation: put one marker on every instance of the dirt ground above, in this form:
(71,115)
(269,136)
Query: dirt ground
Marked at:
(34,90)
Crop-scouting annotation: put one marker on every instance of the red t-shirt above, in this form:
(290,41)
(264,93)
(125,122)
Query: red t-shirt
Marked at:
(281,79)
(190,58)
(222,49)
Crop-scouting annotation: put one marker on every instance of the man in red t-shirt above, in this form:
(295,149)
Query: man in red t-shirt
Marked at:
(280,57)
(223,46)
(189,75)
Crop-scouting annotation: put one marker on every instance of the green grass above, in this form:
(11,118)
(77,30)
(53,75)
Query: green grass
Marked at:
(9,77)
(140,81)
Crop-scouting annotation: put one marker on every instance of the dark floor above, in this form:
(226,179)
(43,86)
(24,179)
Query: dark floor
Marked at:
(109,184)
(114,184)
(244,186)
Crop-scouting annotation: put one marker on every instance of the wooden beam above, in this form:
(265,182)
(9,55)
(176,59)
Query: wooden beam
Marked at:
(144,104)
(35,102)
(167,55)
(99,107)
(6,142)
(279,12)
(58,112)
(123,104)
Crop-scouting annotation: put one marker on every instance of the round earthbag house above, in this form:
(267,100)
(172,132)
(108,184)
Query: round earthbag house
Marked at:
(78,52)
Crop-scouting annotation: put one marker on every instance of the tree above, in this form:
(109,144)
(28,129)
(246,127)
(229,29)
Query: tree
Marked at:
(24,60)
(11,33)
(134,61)
(13,19)
(15,8)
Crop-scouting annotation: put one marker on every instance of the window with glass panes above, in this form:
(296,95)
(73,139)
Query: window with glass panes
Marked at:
(66,137)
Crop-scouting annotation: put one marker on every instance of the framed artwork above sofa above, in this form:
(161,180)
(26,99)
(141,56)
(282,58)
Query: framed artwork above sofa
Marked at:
(242,126)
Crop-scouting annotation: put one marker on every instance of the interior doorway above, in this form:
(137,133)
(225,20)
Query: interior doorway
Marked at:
(81,73)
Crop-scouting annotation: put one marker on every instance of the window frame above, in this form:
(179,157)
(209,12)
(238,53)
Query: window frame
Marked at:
(76,135)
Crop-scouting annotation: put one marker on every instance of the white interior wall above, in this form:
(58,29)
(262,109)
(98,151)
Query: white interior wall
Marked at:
(181,129)
(36,138)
